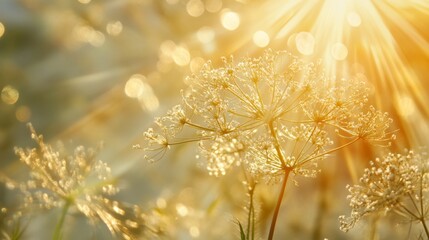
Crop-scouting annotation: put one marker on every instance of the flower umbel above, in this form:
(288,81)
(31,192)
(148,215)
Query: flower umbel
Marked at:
(272,115)
(268,113)
(397,183)
(59,179)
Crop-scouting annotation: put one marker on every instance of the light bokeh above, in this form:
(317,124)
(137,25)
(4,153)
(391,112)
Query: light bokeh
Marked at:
(230,20)
(86,72)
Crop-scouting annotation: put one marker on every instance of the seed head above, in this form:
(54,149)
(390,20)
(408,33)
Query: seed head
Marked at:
(57,178)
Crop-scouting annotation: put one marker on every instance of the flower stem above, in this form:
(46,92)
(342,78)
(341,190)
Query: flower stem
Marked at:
(57,233)
(279,203)
(277,145)
(422,214)
(251,214)
(425,227)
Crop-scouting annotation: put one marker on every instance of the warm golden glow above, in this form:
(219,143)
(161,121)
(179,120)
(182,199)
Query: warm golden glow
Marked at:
(148,99)
(387,39)
(261,39)
(206,34)
(354,19)
(182,210)
(339,51)
(305,43)
(196,64)
(85,33)
(2,29)
(114,28)
(135,86)
(97,38)
(194,231)
(9,95)
(84,1)
(167,47)
(161,203)
(248,90)
(405,105)
(230,20)
(23,114)
(195,8)
(181,56)
(213,5)
(172,2)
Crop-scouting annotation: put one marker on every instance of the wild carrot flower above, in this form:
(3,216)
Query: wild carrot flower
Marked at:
(273,115)
(58,179)
(396,183)
(269,113)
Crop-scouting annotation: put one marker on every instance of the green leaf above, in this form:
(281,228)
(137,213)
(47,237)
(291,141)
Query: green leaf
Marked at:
(242,234)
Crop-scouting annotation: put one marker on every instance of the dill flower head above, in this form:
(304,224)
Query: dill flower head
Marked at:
(371,126)
(270,113)
(59,179)
(396,182)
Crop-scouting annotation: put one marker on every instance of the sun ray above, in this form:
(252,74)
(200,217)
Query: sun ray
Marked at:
(382,38)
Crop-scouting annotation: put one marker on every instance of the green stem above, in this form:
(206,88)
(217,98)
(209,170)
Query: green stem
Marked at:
(250,214)
(279,203)
(57,233)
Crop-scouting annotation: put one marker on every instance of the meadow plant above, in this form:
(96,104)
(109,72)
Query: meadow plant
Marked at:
(269,116)
(397,183)
(61,180)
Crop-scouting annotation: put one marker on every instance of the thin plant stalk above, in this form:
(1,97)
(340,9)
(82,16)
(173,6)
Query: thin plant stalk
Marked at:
(253,223)
(58,228)
(373,228)
(251,215)
(17,231)
(322,207)
(251,185)
(279,203)
(422,215)
(425,227)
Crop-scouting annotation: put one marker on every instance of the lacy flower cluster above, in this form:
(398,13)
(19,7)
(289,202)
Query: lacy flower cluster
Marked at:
(396,183)
(61,180)
(270,114)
